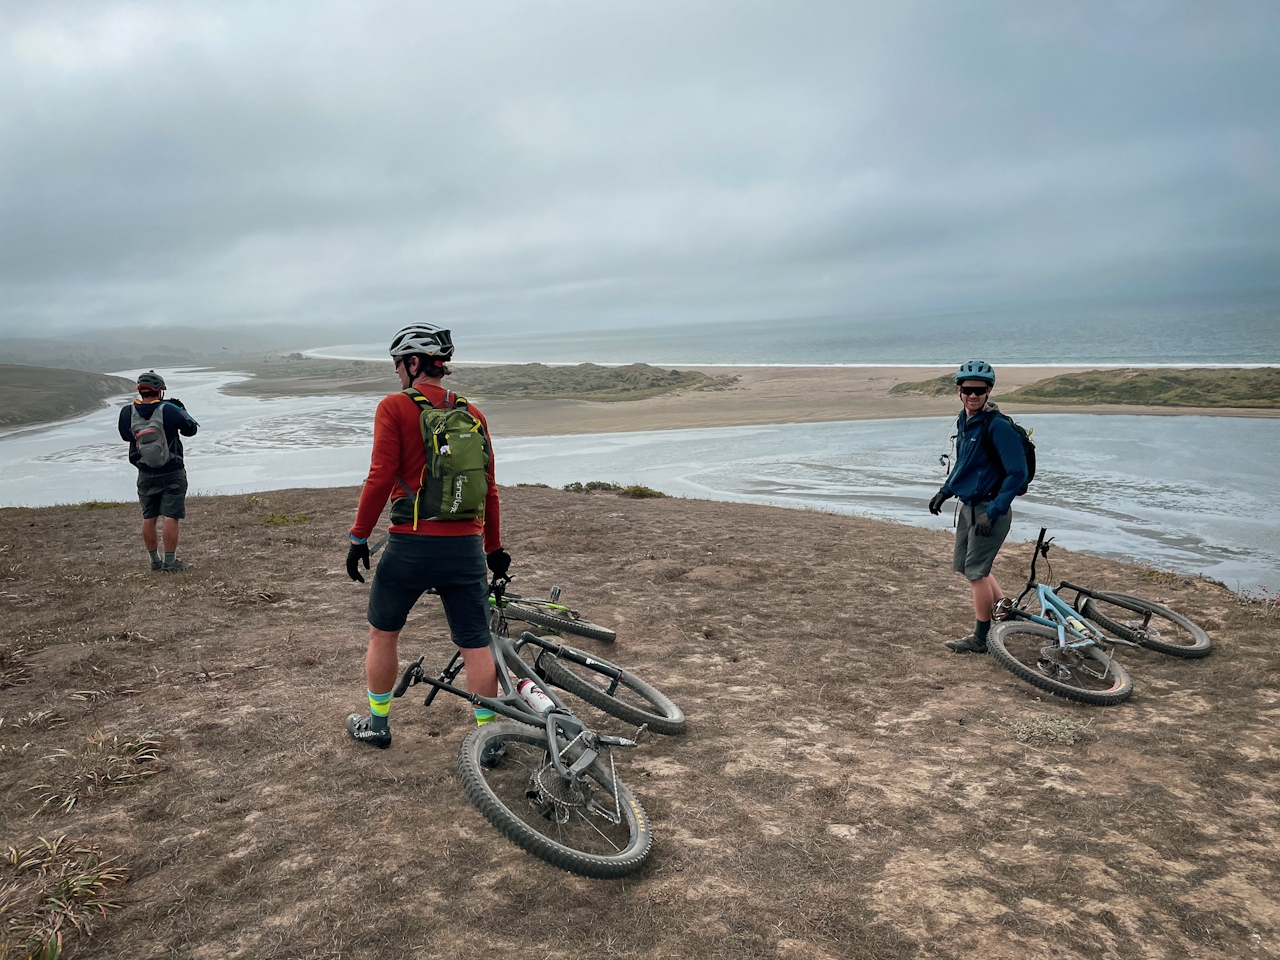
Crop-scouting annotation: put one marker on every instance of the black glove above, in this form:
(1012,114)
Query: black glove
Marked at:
(939,498)
(358,552)
(499,562)
(982,524)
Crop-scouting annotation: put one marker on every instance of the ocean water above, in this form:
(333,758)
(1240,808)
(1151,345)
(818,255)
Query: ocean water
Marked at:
(1193,494)
(1200,332)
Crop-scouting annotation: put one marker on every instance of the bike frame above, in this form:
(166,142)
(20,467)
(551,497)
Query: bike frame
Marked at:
(1056,612)
(560,723)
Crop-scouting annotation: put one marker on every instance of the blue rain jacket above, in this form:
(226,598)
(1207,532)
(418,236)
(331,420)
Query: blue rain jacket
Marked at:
(976,478)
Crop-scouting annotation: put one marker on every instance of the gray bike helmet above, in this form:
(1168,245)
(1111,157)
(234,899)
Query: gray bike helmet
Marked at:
(151,381)
(422,339)
(976,370)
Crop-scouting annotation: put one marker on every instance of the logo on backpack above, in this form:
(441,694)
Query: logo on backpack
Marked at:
(149,436)
(454,483)
(1028,447)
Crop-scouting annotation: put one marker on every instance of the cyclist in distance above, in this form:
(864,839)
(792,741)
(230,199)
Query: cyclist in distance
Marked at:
(990,470)
(153,426)
(423,550)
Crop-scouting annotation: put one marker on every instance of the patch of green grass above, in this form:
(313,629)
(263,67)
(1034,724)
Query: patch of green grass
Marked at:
(639,492)
(635,491)
(1165,388)
(102,765)
(944,385)
(591,486)
(98,505)
(1051,728)
(284,520)
(13,669)
(52,888)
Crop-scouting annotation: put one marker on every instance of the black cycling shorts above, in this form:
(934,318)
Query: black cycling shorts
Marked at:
(454,566)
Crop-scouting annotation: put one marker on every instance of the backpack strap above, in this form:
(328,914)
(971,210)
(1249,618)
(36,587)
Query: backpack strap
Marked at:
(993,453)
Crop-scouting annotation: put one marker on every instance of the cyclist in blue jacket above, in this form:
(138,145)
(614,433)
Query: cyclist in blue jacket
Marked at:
(162,487)
(990,470)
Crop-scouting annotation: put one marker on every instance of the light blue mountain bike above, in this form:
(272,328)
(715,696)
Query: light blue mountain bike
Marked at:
(1063,648)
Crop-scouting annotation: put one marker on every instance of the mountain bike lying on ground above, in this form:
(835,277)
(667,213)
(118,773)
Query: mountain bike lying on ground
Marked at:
(550,614)
(1060,651)
(547,781)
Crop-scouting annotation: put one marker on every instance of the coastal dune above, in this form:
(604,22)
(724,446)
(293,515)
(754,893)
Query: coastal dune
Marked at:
(846,788)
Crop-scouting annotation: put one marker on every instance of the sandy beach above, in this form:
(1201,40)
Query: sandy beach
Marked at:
(760,395)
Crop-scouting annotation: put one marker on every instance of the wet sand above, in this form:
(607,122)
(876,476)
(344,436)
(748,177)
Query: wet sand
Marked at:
(790,395)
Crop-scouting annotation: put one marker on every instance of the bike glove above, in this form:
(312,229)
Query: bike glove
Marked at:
(935,505)
(358,552)
(982,524)
(499,562)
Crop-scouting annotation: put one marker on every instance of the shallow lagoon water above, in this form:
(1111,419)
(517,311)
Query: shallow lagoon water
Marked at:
(1194,494)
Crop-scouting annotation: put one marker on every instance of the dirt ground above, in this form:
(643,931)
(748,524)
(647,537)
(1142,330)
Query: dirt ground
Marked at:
(846,788)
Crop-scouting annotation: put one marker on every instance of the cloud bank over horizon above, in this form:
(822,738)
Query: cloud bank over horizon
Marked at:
(559,165)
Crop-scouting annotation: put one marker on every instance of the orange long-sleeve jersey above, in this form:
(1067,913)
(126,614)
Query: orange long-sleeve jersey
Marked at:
(398,455)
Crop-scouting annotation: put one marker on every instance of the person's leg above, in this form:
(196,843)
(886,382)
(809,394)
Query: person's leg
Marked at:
(482,676)
(170,534)
(149,498)
(985,593)
(149,539)
(382,660)
(173,508)
(974,556)
(395,589)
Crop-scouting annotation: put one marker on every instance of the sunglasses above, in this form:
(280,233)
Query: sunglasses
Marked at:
(974,391)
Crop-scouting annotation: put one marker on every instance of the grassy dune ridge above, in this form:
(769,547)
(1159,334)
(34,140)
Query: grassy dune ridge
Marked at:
(1238,388)
(298,375)
(43,394)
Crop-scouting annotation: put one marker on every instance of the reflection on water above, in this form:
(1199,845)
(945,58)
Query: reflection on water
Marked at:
(1195,494)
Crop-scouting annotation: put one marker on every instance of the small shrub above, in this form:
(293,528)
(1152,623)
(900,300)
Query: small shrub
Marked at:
(101,766)
(52,888)
(591,486)
(541,486)
(639,492)
(98,505)
(1261,603)
(1051,728)
(284,520)
(13,669)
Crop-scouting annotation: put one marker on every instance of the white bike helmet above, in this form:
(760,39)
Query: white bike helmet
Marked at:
(422,339)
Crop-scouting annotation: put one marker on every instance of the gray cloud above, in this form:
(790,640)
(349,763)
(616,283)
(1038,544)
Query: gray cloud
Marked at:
(569,164)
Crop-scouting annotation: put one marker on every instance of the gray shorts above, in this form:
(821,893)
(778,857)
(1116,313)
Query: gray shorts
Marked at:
(163,494)
(974,554)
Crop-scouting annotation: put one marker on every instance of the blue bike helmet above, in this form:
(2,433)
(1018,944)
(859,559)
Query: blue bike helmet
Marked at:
(976,370)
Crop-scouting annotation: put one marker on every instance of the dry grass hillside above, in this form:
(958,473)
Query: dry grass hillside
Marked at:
(41,394)
(846,789)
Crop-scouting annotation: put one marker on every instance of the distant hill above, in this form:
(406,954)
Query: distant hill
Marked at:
(38,394)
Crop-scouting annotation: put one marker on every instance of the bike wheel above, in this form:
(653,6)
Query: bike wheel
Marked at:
(567,823)
(628,697)
(561,624)
(1146,623)
(1030,651)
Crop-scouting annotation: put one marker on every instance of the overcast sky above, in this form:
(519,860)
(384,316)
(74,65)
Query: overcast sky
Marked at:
(577,164)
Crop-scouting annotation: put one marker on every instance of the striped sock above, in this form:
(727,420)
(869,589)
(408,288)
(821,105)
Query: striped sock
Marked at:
(484,715)
(170,557)
(379,707)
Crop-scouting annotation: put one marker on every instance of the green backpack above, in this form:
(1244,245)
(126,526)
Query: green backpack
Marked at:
(453,485)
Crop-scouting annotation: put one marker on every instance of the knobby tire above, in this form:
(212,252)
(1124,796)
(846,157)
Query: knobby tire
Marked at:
(585,844)
(581,628)
(1166,631)
(633,700)
(1038,644)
